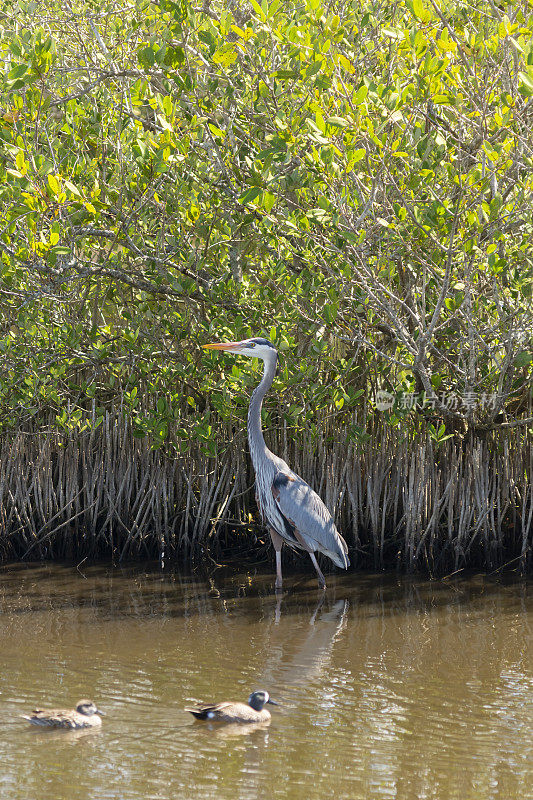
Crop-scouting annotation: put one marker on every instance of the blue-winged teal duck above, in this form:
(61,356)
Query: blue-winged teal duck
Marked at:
(253,711)
(85,715)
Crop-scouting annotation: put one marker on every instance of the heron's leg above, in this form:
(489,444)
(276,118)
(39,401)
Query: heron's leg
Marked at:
(279,577)
(277,541)
(321,579)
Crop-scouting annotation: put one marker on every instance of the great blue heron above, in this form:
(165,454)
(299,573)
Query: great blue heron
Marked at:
(293,512)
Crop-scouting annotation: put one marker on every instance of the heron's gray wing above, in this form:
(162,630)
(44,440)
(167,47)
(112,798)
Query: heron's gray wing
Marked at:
(309,517)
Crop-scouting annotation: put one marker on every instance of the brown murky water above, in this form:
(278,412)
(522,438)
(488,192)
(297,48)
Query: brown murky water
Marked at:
(390,688)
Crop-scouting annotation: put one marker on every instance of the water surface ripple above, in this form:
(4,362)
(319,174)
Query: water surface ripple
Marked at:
(390,688)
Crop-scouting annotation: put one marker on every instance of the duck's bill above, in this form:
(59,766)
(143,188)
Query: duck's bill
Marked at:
(222,346)
(100,713)
(273,702)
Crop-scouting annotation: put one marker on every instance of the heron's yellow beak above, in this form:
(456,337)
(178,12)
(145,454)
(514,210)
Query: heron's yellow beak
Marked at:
(222,346)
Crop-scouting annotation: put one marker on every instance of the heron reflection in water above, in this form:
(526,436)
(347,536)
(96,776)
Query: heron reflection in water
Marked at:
(293,512)
(303,659)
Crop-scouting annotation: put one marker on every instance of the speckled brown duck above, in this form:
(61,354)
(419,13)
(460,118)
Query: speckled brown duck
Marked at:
(253,711)
(85,715)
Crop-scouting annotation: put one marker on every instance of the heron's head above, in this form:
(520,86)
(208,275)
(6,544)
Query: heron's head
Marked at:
(258,699)
(87,707)
(256,347)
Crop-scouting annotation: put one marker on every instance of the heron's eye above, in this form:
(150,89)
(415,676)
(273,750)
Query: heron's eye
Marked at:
(251,344)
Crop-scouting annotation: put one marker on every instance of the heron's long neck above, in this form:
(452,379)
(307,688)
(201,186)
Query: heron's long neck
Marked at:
(255,432)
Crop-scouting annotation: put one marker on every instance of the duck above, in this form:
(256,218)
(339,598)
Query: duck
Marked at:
(252,711)
(85,715)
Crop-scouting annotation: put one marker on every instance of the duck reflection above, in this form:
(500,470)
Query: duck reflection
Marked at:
(234,730)
(69,737)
